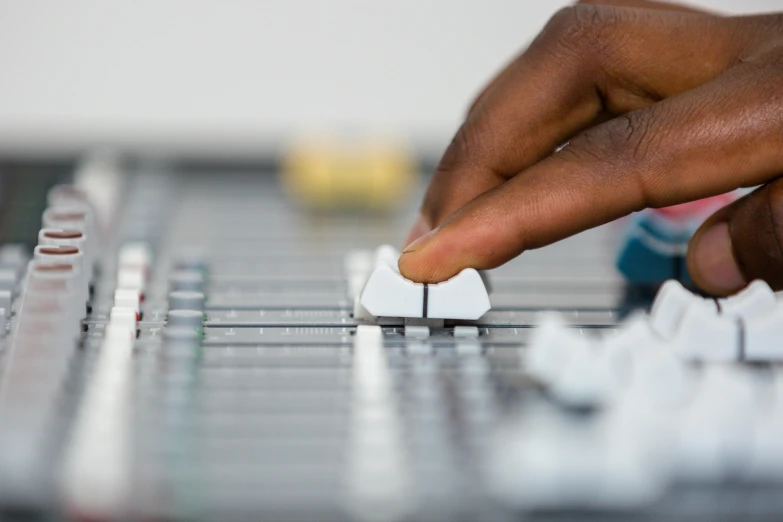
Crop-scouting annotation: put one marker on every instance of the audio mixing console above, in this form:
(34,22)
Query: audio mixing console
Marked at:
(190,346)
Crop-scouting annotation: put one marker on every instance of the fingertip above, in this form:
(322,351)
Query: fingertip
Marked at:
(711,261)
(414,262)
(440,254)
(433,258)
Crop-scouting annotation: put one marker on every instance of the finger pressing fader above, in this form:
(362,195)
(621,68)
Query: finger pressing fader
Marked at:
(388,294)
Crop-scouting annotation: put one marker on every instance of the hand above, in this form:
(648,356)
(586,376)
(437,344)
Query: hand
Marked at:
(659,105)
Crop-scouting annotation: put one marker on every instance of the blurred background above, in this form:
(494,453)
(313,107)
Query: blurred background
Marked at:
(238,78)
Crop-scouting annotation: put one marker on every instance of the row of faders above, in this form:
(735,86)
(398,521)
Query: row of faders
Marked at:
(236,364)
(66,374)
(261,396)
(98,468)
(47,300)
(687,398)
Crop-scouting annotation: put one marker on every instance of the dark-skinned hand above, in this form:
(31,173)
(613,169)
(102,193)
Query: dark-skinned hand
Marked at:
(658,104)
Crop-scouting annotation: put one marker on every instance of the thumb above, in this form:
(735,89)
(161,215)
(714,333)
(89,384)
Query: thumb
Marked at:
(740,243)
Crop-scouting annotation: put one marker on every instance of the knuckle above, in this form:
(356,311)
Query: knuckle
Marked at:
(461,153)
(629,135)
(625,139)
(760,75)
(767,55)
(466,148)
(459,150)
(624,146)
(582,28)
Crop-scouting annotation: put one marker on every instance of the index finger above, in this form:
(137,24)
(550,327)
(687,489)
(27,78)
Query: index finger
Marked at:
(578,68)
(705,142)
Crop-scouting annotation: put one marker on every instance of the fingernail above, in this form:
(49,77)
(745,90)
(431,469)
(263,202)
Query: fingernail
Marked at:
(419,228)
(419,243)
(713,260)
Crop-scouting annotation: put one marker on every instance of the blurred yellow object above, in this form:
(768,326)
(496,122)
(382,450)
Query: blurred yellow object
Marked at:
(333,175)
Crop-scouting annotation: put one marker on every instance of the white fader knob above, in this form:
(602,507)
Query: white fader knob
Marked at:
(670,304)
(764,336)
(126,298)
(746,326)
(552,345)
(756,299)
(388,294)
(706,335)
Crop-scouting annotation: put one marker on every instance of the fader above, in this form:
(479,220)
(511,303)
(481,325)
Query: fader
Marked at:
(388,294)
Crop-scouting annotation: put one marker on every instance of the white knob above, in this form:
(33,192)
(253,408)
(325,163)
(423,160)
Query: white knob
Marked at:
(388,294)
(550,348)
(715,434)
(764,336)
(669,305)
(705,335)
(756,299)
(586,379)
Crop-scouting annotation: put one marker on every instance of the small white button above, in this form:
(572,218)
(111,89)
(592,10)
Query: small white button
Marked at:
(467,332)
(417,332)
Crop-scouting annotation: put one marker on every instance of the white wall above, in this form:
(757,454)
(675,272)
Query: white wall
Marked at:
(239,76)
